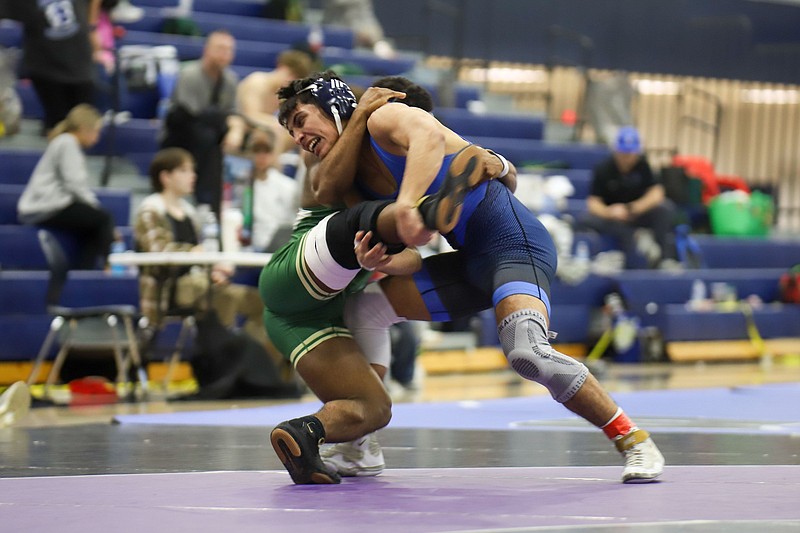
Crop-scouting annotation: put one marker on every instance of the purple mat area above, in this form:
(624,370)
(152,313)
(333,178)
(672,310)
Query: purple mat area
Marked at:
(767,409)
(403,501)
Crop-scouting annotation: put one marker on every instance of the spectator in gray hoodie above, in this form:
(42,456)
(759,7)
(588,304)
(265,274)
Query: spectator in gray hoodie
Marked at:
(58,195)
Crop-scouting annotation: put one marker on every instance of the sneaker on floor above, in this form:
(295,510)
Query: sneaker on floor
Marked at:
(15,403)
(441,210)
(360,457)
(643,461)
(297,444)
(125,12)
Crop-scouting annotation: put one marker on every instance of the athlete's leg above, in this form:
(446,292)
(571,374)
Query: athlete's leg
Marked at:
(301,288)
(356,403)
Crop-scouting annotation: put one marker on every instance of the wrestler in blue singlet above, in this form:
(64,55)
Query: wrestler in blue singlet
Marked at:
(501,249)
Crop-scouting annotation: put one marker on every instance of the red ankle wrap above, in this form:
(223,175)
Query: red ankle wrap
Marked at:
(619,425)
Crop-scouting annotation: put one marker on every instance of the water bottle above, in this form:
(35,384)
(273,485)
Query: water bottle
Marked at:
(245,232)
(697,300)
(582,254)
(210,228)
(117,247)
(698,291)
(316,39)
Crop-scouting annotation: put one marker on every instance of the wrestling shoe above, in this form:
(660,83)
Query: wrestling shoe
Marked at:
(643,461)
(14,404)
(440,211)
(360,457)
(297,444)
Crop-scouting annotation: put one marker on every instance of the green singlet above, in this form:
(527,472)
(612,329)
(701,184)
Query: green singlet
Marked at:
(299,314)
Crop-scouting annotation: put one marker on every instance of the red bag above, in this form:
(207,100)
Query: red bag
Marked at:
(790,285)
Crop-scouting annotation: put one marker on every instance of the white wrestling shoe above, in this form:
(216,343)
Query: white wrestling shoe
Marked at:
(360,457)
(643,461)
(14,404)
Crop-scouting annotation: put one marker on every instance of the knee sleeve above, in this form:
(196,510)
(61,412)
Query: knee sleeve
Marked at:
(368,315)
(523,336)
(344,225)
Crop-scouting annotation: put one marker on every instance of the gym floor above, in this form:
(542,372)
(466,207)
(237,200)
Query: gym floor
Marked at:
(68,468)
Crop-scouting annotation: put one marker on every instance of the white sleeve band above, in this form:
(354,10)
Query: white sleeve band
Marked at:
(506,168)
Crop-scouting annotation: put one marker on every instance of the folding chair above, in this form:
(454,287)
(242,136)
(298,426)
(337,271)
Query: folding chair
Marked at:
(125,351)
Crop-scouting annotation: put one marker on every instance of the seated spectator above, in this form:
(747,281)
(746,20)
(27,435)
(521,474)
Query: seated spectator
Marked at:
(257,99)
(626,196)
(58,196)
(167,222)
(272,198)
(200,113)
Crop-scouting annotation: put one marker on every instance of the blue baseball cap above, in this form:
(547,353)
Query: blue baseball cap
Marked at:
(628,141)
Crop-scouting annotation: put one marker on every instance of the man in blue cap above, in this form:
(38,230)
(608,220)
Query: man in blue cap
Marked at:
(625,197)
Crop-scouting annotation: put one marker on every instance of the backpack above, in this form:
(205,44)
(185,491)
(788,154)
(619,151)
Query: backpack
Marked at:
(229,364)
(790,285)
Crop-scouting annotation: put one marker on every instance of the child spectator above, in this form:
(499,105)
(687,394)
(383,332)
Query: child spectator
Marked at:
(271,200)
(58,196)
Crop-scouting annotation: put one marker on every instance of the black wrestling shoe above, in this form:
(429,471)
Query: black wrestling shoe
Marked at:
(297,443)
(440,211)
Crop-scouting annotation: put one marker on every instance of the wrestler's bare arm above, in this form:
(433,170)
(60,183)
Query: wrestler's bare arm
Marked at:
(334,175)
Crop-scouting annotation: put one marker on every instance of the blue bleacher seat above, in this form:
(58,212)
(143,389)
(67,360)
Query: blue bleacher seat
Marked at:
(249,28)
(135,135)
(141,160)
(18,165)
(23,335)
(671,290)
(244,8)
(367,61)
(10,34)
(736,252)
(255,54)
(676,323)
(19,246)
(263,55)
(31,106)
(523,152)
(23,292)
(117,201)
(463,93)
(467,123)
(24,321)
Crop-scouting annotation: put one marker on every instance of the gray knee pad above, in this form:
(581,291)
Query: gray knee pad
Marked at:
(523,336)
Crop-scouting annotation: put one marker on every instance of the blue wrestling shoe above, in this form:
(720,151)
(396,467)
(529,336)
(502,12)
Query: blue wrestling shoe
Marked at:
(440,211)
(297,444)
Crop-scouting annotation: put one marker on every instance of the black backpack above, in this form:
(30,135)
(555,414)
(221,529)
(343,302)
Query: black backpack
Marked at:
(229,364)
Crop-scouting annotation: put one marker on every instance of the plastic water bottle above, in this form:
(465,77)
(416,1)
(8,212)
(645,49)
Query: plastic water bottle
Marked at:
(699,295)
(316,39)
(582,254)
(117,247)
(698,290)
